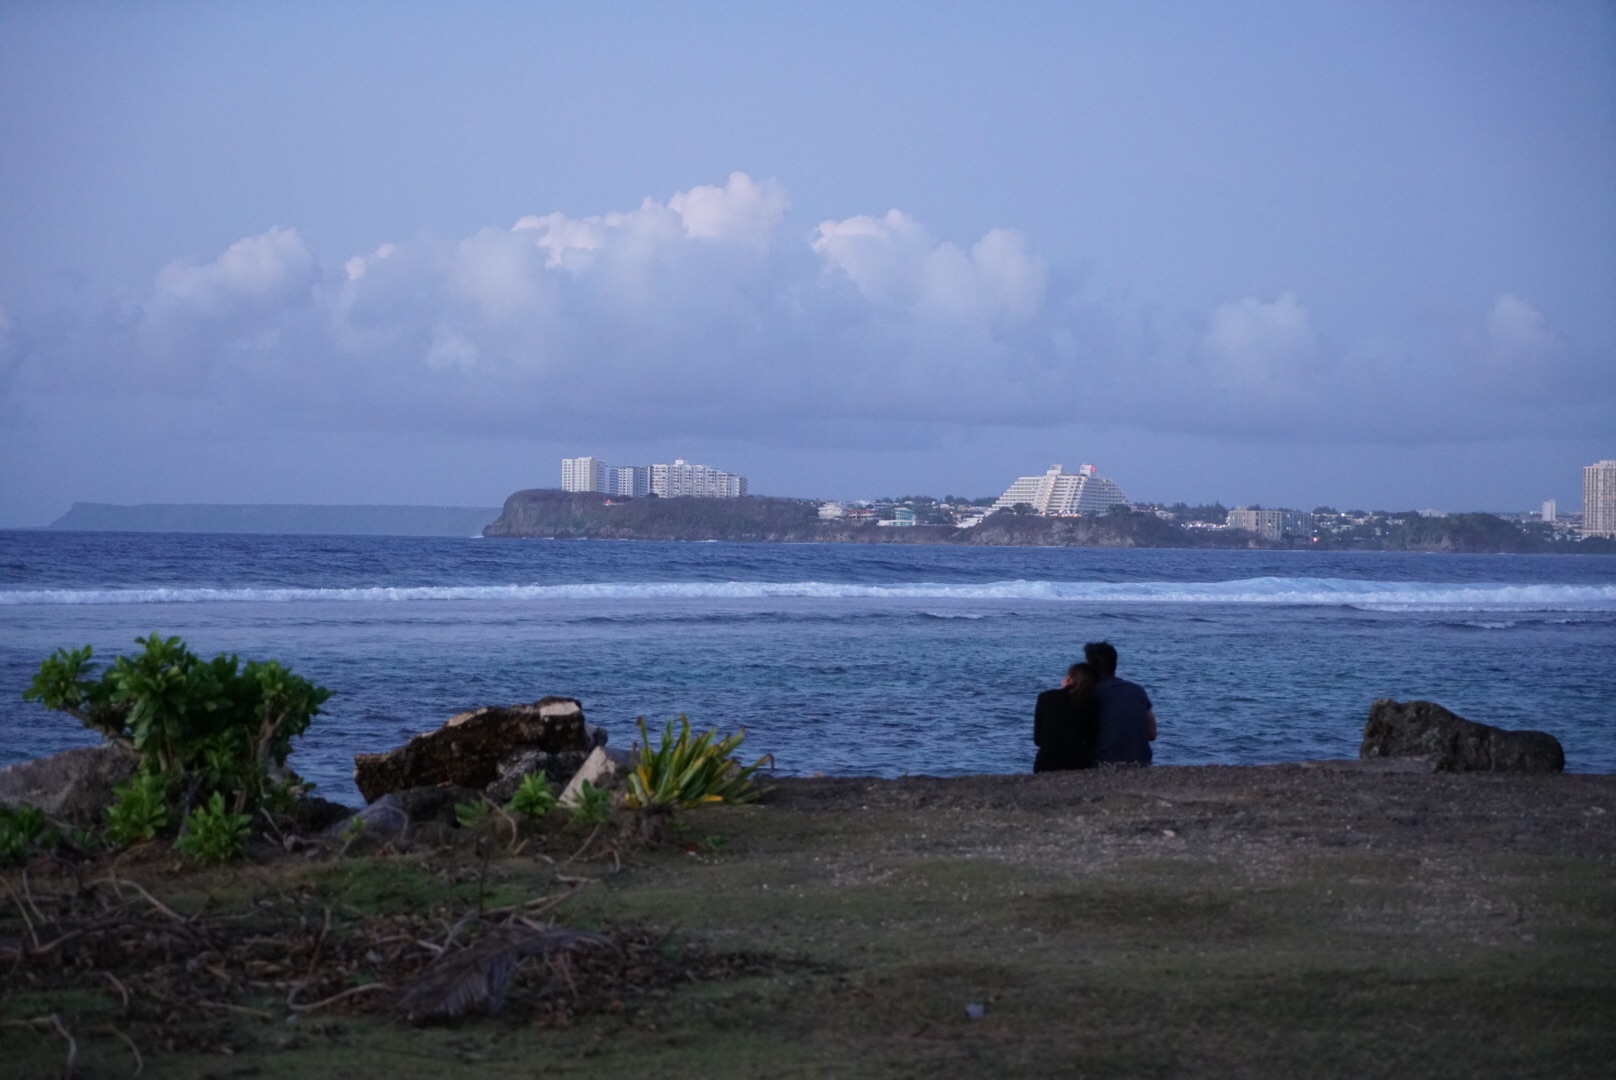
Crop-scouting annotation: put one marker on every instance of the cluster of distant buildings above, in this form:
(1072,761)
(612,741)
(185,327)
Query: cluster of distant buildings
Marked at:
(1053,493)
(665,480)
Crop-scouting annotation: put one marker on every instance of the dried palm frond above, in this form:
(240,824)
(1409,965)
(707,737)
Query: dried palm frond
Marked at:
(476,977)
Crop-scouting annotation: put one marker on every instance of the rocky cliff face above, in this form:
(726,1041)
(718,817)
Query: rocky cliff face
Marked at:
(591,515)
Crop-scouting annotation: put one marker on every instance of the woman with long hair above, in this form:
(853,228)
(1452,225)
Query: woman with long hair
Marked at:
(1065,724)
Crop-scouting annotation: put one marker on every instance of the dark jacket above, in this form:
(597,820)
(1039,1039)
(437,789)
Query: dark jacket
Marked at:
(1123,708)
(1065,730)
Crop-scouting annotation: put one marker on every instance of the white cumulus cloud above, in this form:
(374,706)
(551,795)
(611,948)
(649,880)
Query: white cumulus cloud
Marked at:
(712,312)
(1265,349)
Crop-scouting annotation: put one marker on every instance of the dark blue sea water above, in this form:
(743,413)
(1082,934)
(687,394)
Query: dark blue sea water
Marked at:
(840,658)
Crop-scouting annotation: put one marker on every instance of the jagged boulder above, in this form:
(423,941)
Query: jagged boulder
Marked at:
(1453,744)
(473,749)
(599,770)
(73,786)
(557,768)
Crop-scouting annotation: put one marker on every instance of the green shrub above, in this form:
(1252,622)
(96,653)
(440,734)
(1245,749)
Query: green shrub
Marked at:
(213,834)
(687,772)
(594,804)
(139,809)
(535,798)
(472,814)
(211,726)
(21,829)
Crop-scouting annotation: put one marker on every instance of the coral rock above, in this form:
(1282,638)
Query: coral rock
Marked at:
(75,785)
(1454,744)
(471,749)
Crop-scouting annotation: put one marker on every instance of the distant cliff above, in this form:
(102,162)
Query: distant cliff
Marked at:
(589,515)
(288,519)
(546,512)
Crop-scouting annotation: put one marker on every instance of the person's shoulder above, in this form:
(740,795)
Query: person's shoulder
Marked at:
(1114,687)
(1135,689)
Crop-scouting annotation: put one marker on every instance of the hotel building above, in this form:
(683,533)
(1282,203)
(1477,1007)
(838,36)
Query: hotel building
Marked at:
(1060,493)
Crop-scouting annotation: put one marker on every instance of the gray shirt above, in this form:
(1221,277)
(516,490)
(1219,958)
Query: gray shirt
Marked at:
(1124,726)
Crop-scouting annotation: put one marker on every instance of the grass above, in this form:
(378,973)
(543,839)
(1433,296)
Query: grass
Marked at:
(1248,944)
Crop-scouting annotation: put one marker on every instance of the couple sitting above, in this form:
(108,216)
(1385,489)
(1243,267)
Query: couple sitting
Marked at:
(1094,718)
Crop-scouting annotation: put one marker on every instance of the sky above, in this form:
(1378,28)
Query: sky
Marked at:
(1357,254)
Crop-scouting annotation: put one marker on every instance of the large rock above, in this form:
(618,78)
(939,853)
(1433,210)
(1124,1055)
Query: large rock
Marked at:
(471,749)
(598,770)
(73,786)
(1453,744)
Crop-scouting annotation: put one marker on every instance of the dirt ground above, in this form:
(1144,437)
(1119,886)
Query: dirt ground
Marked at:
(1333,919)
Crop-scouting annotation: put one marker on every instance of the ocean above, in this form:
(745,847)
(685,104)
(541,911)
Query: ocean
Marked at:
(837,658)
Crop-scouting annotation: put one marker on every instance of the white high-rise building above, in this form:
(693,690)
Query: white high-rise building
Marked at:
(682,478)
(630,481)
(1272,524)
(1599,499)
(583,474)
(1551,511)
(1059,492)
(666,481)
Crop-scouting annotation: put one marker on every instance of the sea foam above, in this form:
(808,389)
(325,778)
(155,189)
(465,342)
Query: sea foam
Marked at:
(1299,591)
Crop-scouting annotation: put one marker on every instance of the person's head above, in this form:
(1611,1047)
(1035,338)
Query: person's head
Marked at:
(1079,677)
(1102,657)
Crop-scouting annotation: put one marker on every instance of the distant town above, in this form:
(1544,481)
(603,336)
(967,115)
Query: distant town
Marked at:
(1058,493)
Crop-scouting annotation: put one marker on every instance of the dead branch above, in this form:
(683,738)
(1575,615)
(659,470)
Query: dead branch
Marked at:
(140,1062)
(541,903)
(587,841)
(225,1006)
(122,989)
(21,910)
(333,999)
(54,1022)
(115,882)
(565,880)
(28,895)
(319,943)
(51,946)
(72,1045)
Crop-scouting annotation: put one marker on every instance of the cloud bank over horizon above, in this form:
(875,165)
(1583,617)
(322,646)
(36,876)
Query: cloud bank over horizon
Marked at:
(714,312)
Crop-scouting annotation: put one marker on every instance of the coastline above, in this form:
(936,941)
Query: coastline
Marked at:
(547,513)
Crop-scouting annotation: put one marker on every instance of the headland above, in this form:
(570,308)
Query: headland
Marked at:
(551,513)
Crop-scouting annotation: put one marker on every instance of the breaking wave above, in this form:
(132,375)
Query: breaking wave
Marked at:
(1301,591)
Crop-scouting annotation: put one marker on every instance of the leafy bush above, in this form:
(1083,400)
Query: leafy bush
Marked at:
(472,814)
(212,726)
(535,798)
(687,772)
(213,834)
(139,809)
(594,804)
(21,829)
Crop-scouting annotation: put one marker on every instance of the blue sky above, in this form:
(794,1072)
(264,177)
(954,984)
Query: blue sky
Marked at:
(1360,254)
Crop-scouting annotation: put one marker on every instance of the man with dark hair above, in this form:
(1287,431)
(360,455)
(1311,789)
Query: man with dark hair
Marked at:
(1127,720)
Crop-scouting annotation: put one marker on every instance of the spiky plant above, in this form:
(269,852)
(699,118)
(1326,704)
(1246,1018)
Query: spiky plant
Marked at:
(686,771)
